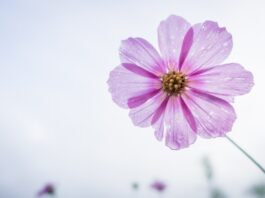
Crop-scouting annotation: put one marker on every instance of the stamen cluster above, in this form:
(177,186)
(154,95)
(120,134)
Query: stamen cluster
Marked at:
(174,83)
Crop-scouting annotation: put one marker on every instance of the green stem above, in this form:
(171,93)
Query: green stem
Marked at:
(246,154)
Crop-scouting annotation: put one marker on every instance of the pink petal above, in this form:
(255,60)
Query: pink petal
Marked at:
(188,115)
(159,127)
(214,117)
(138,70)
(158,120)
(125,84)
(186,45)
(141,99)
(223,80)
(141,53)
(171,33)
(211,46)
(179,133)
(142,115)
(159,111)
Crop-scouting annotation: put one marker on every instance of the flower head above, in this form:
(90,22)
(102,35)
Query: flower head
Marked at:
(184,90)
(48,189)
(158,186)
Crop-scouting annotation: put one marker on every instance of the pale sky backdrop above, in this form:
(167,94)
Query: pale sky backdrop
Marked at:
(58,122)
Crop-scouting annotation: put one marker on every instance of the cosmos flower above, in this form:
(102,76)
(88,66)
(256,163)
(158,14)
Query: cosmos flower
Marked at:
(184,91)
(48,189)
(158,186)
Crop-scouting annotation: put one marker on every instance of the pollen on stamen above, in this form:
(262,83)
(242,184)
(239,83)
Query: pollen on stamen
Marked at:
(174,83)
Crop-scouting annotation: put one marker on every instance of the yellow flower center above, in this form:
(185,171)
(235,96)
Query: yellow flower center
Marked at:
(174,83)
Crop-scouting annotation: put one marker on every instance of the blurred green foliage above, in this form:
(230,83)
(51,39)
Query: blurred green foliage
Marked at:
(258,190)
(217,193)
(207,168)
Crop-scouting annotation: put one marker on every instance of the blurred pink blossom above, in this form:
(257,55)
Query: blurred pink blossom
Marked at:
(158,186)
(48,189)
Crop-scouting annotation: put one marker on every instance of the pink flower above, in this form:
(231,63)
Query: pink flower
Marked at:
(184,91)
(48,189)
(158,186)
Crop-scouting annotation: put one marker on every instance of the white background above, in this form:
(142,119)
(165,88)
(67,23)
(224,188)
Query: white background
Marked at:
(59,124)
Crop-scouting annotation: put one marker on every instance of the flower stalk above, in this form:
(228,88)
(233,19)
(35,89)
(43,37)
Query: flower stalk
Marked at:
(246,154)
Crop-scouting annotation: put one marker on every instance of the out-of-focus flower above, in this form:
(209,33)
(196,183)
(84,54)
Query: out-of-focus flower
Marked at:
(158,186)
(185,91)
(48,189)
